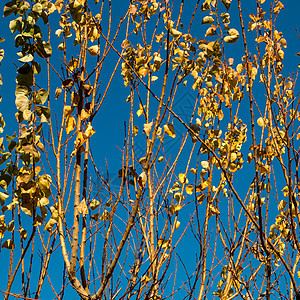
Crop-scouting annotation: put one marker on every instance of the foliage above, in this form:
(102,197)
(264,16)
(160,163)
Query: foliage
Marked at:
(181,223)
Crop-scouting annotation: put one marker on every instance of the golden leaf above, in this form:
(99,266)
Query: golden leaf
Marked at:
(176,224)
(57,93)
(189,189)
(82,207)
(143,71)
(68,110)
(74,98)
(70,124)
(163,243)
(73,64)
(141,110)
(89,131)
(205,164)
(147,128)
(182,178)
(169,129)
(94,50)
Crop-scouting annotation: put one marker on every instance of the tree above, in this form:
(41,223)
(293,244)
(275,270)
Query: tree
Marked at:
(205,203)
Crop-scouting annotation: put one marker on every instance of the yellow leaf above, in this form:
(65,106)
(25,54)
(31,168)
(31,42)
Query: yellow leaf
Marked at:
(73,64)
(94,50)
(145,279)
(176,225)
(205,164)
(147,128)
(177,207)
(182,178)
(84,114)
(89,131)
(57,92)
(163,243)
(82,208)
(70,124)
(79,2)
(143,71)
(160,159)
(193,171)
(169,129)
(261,122)
(68,110)
(135,130)
(282,205)
(154,78)
(80,140)
(74,98)
(189,189)
(240,68)
(141,110)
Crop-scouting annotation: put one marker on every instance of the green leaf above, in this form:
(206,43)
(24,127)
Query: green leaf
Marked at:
(41,96)
(10,8)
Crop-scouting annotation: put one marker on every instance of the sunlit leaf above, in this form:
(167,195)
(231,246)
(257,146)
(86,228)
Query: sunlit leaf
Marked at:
(50,224)
(141,110)
(207,20)
(163,243)
(95,217)
(57,92)
(68,111)
(169,129)
(73,64)
(105,216)
(41,96)
(182,178)
(147,128)
(189,189)
(3,197)
(70,124)
(82,207)
(89,131)
(94,50)
(94,204)
(22,102)
(176,224)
